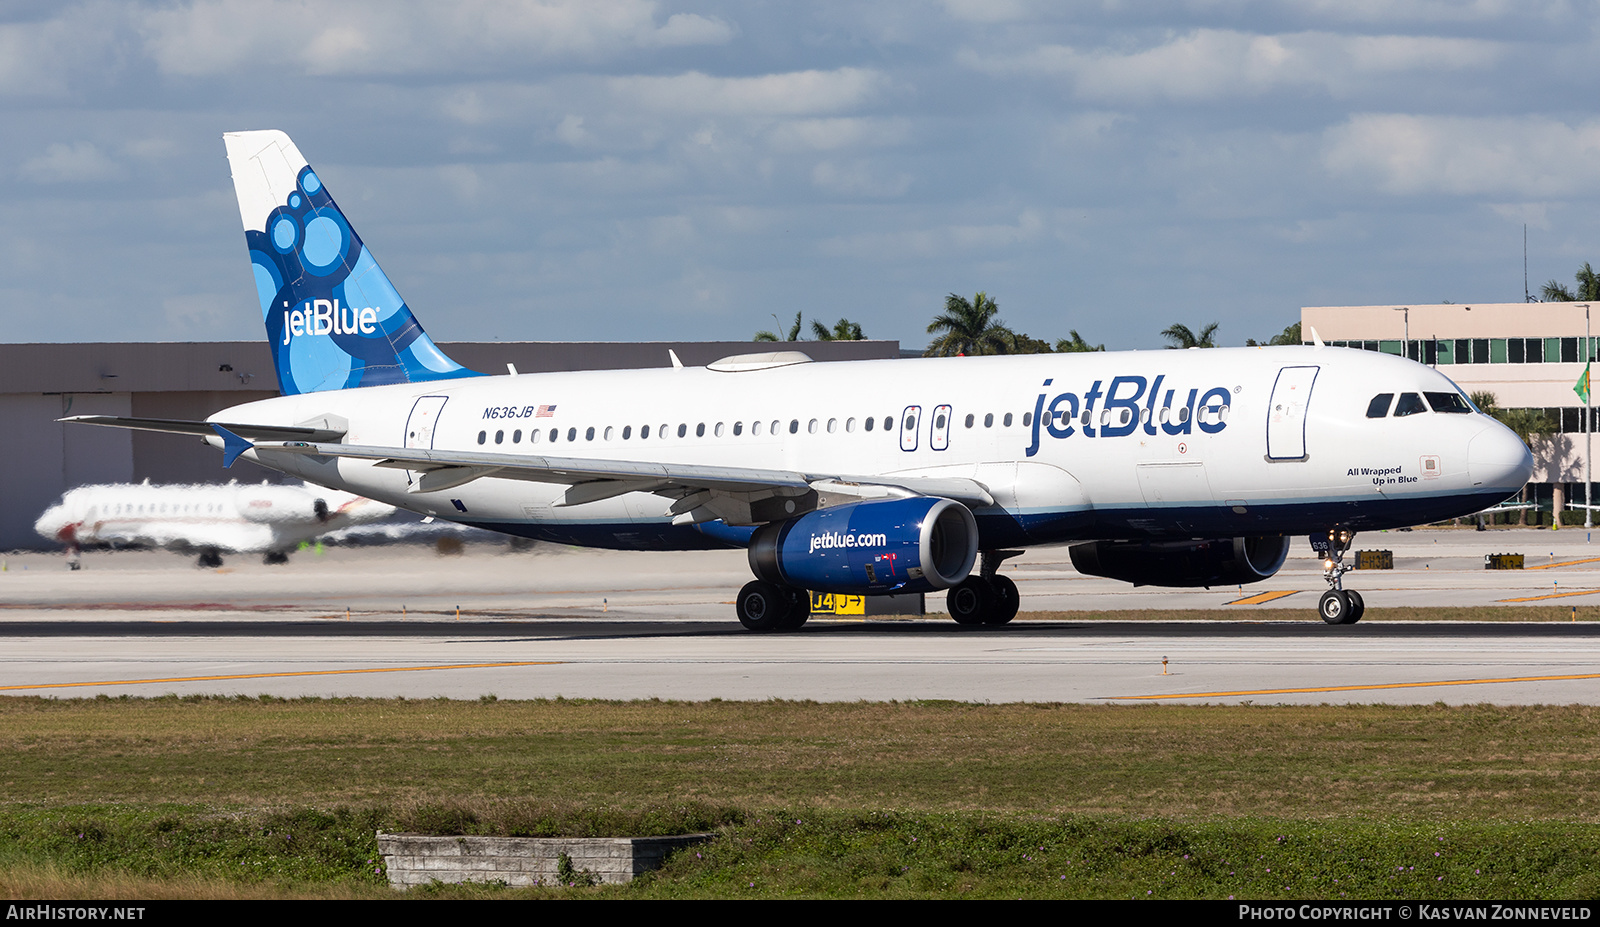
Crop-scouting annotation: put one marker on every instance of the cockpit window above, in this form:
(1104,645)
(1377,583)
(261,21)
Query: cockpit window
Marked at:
(1448,402)
(1379,406)
(1409,404)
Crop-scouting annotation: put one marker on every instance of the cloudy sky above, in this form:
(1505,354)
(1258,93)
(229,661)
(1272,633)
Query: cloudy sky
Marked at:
(634,170)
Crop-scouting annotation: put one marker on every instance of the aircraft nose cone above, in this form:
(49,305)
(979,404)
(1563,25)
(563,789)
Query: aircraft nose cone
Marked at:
(1497,459)
(53,524)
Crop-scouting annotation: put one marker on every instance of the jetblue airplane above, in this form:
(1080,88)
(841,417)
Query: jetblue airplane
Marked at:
(236,518)
(1172,468)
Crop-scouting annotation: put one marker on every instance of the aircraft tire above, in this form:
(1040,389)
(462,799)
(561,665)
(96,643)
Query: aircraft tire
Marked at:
(209,560)
(275,557)
(1358,607)
(1006,600)
(763,606)
(1334,607)
(799,609)
(970,601)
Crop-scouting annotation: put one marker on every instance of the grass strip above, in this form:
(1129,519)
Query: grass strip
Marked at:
(100,851)
(1430,762)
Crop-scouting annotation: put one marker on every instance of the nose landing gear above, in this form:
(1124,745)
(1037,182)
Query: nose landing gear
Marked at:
(1339,605)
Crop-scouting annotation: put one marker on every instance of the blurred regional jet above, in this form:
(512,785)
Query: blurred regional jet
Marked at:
(206,518)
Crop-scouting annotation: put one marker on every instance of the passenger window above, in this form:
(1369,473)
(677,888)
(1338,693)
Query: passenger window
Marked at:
(871,422)
(516,436)
(755,429)
(627,432)
(483,436)
(499,437)
(588,434)
(610,430)
(644,432)
(572,434)
(683,430)
(554,434)
(1409,404)
(718,430)
(794,426)
(700,430)
(1007,420)
(1448,402)
(969,419)
(738,429)
(850,424)
(1379,406)
(888,422)
(988,420)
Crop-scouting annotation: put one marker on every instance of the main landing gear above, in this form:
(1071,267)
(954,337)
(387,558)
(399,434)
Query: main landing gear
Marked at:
(1339,605)
(985,597)
(765,606)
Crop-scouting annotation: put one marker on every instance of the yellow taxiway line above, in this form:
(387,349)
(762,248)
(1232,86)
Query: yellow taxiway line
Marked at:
(1262,598)
(1382,685)
(342,672)
(1551,566)
(1550,595)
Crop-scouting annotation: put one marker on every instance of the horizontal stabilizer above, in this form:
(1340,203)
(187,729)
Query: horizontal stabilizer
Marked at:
(204,429)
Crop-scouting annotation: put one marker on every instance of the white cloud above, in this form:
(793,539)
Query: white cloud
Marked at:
(1209,64)
(75,163)
(797,93)
(41,58)
(376,37)
(1527,156)
(832,134)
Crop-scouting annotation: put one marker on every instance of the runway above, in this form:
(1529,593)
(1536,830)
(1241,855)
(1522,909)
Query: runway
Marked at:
(586,624)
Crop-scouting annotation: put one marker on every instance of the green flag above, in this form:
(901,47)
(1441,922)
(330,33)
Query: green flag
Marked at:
(1582,386)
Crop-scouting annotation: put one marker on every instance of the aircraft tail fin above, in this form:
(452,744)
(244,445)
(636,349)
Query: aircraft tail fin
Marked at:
(333,319)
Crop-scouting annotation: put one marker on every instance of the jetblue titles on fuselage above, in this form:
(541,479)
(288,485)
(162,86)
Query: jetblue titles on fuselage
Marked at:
(1066,414)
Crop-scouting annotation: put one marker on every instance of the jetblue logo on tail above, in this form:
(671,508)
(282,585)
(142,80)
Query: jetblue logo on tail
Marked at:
(327,317)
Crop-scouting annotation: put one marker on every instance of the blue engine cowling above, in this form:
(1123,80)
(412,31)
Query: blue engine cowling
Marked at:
(1209,562)
(870,548)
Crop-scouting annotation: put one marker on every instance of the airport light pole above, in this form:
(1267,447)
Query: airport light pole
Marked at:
(1405,346)
(1588,439)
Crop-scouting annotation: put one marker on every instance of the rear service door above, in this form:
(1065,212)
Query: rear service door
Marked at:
(1286,413)
(422,421)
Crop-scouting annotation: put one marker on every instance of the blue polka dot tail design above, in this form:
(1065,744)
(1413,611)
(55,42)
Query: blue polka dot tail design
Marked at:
(333,319)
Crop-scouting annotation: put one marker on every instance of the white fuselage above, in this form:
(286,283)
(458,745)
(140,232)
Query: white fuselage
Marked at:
(233,517)
(1149,444)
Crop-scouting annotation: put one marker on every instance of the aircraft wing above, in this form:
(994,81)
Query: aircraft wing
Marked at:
(204,429)
(704,492)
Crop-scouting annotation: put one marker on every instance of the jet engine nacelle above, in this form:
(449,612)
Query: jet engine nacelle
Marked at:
(870,548)
(1211,562)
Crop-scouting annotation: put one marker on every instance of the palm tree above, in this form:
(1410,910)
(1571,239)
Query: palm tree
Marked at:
(843,330)
(968,328)
(1076,344)
(1588,288)
(794,332)
(1289,335)
(1181,337)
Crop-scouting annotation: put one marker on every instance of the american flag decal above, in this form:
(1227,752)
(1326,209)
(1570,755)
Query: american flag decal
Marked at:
(546,411)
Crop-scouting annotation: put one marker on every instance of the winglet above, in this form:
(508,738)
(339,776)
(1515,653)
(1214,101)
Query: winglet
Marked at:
(232,445)
(674,355)
(1316,340)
